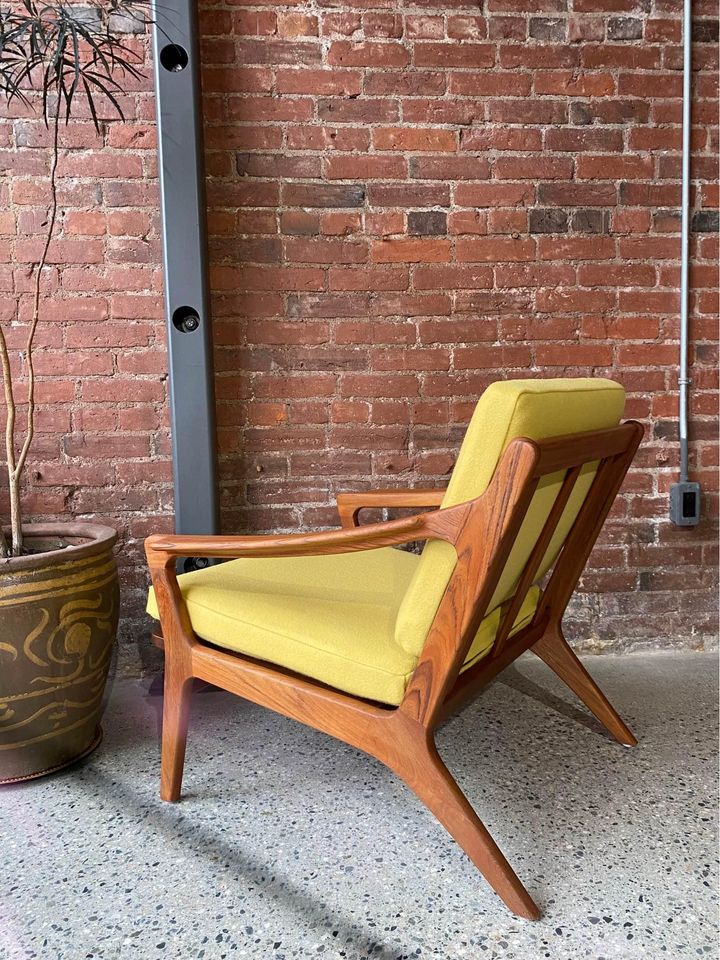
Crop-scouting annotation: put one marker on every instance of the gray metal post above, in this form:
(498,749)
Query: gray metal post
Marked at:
(187,305)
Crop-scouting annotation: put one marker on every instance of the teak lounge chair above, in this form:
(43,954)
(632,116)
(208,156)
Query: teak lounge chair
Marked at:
(376,646)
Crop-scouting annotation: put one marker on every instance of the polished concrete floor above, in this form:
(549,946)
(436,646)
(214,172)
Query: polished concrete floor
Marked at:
(289,844)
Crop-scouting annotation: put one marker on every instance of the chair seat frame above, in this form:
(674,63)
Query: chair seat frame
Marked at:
(482,532)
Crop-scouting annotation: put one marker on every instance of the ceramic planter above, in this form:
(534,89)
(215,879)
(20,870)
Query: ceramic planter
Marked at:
(58,618)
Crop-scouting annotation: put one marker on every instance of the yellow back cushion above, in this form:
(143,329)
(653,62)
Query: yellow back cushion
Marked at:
(537,409)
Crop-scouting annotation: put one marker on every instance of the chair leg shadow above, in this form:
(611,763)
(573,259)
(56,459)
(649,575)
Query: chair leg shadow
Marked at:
(514,679)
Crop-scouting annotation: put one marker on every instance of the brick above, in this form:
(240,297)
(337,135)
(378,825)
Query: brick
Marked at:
(624,28)
(577,194)
(427,222)
(547,28)
(401,83)
(526,112)
(613,167)
(580,140)
(574,355)
(521,168)
(403,194)
(365,167)
(371,385)
(494,249)
(411,251)
(466,28)
(343,53)
(323,195)
(436,111)
(396,138)
(319,82)
(340,223)
(358,111)
(494,194)
(576,248)
(388,25)
(626,275)
(324,138)
(85,223)
(297,25)
(321,250)
(493,83)
(368,279)
(705,221)
(478,55)
(452,277)
(300,223)
(590,221)
(541,56)
(422,27)
(548,221)
(411,305)
(449,168)
(572,84)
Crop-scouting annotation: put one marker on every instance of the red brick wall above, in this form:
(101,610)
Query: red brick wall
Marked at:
(405,203)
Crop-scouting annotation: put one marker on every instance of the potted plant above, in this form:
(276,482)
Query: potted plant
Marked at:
(58,581)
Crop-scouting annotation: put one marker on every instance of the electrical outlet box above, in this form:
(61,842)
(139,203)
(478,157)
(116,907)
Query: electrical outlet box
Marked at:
(685,504)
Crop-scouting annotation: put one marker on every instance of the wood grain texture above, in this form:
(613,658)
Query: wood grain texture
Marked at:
(482,532)
(439,525)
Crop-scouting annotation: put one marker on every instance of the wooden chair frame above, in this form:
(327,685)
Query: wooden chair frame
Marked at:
(482,531)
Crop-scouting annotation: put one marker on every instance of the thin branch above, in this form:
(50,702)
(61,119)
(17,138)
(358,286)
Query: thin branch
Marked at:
(52,220)
(9,420)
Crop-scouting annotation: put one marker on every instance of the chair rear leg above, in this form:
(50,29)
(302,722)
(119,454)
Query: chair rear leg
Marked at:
(431,781)
(554,650)
(176,714)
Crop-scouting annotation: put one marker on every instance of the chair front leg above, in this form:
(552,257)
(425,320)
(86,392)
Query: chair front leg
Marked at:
(176,715)
(422,769)
(179,641)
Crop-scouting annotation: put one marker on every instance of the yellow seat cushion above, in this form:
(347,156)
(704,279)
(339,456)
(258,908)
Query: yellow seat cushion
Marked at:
(331,618)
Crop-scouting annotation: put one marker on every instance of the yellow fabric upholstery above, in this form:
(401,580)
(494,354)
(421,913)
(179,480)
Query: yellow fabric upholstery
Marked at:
(330,618)
(358,621)
(537,409)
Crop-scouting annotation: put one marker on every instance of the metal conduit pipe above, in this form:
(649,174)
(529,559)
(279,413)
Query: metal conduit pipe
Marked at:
(685,496)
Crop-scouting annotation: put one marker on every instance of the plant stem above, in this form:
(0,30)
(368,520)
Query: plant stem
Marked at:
(15,474)
(9,424)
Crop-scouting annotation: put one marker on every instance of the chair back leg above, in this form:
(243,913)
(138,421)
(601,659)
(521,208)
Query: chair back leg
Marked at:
(554,650)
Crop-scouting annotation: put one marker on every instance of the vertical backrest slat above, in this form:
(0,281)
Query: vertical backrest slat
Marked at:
(535,559)
(586,529)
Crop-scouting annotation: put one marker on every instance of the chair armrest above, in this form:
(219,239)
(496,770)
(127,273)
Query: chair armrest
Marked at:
(349,505)
(161,550)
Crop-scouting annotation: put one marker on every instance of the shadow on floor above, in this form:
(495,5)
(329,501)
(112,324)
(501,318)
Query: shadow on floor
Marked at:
(514,679)
(259,874)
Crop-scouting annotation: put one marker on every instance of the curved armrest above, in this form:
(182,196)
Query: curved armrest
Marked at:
(161,550)
(349,505)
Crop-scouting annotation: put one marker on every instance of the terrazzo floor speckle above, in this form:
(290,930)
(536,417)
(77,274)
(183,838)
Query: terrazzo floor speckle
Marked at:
(288,844)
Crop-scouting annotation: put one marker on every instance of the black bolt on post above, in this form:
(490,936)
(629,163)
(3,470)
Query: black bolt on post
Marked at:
(187,302)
